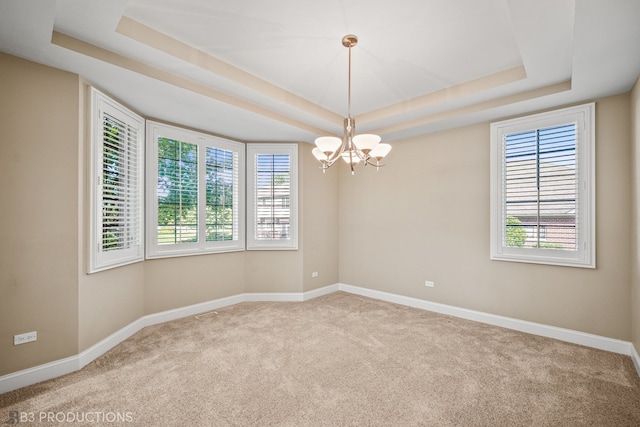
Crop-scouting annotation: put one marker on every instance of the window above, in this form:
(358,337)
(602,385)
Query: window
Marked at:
(195,193)
(542,188)
(272,186)
(116,184)
(536,233)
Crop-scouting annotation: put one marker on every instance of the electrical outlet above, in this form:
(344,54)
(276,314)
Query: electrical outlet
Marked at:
(25,338)
(314,274)
(429,284)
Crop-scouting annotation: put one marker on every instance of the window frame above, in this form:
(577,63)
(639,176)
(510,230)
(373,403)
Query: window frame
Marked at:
(268,149)
(584,256)
(99,259)
(202,141)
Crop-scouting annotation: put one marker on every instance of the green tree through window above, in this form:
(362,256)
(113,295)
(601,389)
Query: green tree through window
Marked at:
(516,234)
(219,182)
(177,192)
(113,181)
(196,190)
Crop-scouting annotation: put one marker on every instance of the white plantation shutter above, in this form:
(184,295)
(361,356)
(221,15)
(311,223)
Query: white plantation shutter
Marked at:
(272,196)
(542,185)
(272,188)
(223,195)
(177,191)
(116,184)
(195,193)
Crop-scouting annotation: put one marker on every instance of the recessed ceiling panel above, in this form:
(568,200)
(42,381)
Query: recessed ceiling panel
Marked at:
(296,45)
(420,66)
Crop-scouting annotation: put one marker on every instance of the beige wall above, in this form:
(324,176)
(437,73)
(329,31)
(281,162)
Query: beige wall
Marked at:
(290,271)
(112,299)
(273,271)
(635,284)
(319,221)
(178,282)
(426,217)
(207,277)
(109,301)
(38,213)
(43,284)
(278,271)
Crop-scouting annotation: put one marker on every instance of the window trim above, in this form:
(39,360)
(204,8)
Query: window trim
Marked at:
(585,255)
(279,244)
(202,140)
(100,260)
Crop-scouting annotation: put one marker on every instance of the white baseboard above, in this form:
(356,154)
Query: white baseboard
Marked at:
(273,297)
(291,296)
(192,310)
(100,348)
(636,358)
(38,373)
(70,364)
(320,292)
(568,335)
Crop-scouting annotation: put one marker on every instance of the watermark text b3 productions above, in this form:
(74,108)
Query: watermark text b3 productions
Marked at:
(70,417)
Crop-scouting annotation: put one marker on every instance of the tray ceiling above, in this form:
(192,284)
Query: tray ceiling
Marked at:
(276,71)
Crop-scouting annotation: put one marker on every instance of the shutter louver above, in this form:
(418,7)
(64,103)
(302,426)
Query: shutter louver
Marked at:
(272,196)
(540,191)
(222,195)
(117,203)
(195,193)
(120,201)
(177,192)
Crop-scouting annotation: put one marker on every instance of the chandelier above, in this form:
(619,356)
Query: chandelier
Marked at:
(353,149)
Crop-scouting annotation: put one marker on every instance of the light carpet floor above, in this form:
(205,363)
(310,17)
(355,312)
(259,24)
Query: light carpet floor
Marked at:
(337,360)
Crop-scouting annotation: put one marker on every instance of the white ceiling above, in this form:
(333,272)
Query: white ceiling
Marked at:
(276,70)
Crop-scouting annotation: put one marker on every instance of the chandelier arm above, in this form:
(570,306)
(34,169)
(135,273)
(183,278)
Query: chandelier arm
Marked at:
(336,155)
(364,157)
(376,164)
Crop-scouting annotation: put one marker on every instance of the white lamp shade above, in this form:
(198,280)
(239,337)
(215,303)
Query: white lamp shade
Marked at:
(380,150)
(350,159)
(328,144)
(318,154)
(366,142)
